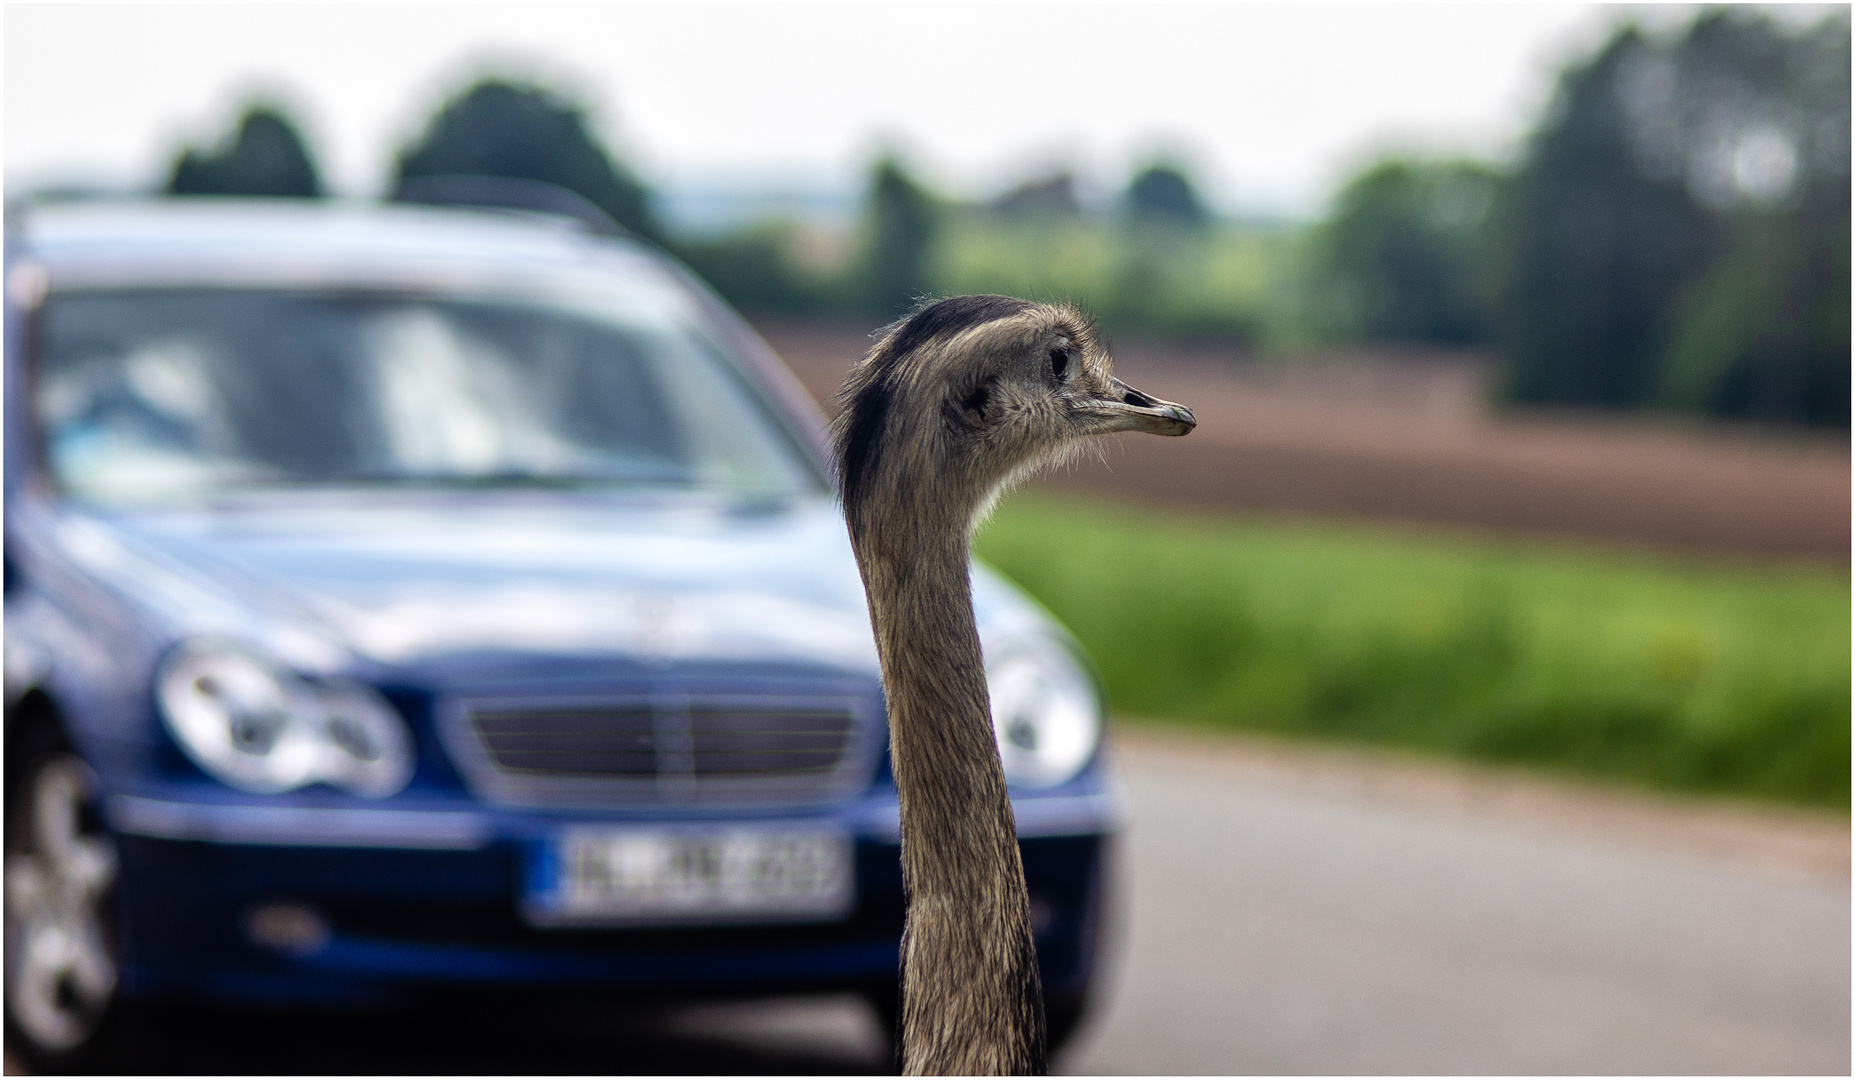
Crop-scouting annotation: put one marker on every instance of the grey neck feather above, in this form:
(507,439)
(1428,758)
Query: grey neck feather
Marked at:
(971,1003)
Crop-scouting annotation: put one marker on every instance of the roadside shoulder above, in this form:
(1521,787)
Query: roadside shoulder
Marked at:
(1787,840)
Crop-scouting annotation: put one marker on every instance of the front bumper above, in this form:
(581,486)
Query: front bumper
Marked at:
(426,902)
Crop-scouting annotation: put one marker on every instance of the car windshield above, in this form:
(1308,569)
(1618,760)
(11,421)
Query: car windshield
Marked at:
(153,395)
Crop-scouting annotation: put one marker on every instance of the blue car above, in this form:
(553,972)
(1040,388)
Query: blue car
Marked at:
(407,602)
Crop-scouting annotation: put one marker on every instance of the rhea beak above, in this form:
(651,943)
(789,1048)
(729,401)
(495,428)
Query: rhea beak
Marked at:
(1130,410)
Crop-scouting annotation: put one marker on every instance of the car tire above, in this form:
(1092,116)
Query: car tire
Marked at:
(1062,1016)
(63,1012)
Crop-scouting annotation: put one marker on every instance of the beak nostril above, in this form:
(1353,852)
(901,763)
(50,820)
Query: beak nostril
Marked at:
(1130,410)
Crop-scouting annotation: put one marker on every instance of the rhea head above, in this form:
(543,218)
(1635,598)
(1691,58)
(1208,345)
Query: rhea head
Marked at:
(964,396)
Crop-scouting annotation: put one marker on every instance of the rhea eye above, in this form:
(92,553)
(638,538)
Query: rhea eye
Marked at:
(976,401)
(1059,362)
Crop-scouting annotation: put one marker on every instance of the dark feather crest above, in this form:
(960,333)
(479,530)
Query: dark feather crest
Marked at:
(944,318)
(867,409)
(867,414)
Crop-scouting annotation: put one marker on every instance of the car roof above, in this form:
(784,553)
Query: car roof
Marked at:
(274,241)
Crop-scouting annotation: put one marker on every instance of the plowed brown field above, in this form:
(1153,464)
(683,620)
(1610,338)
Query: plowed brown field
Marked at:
(1409,438)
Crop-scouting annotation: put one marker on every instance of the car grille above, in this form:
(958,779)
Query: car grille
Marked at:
(655,750)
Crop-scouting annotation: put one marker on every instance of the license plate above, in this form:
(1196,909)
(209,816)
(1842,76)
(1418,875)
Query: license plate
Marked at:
(615,876)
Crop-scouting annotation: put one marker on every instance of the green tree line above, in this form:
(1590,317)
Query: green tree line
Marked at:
(1674,234)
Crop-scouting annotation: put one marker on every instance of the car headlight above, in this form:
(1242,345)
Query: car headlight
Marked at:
(1044,713)
(258,727)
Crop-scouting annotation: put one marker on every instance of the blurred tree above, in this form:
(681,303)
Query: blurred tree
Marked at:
(264,155)
(900,219)
(1163,193)
(1164,222)
(1765,334)
(1402,253)
(1679,231)
(1599,247)
(501,128)
(755,269)
(1051,197)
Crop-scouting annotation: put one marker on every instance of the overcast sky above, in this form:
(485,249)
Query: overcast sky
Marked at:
(1271,105)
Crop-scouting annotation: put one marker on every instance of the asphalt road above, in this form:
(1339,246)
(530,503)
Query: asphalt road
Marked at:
(1287,917)
(1279,930)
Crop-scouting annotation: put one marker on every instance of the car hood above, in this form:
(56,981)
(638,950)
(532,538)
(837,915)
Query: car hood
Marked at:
(327,583)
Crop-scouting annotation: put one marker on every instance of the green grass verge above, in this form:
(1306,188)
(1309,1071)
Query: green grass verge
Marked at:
(1681,673)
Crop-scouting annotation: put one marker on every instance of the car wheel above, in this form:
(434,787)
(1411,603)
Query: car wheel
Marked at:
(61,956)
(1062,1015)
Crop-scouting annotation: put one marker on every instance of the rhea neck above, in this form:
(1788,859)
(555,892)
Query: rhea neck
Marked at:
(915,560)
(972,1003)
